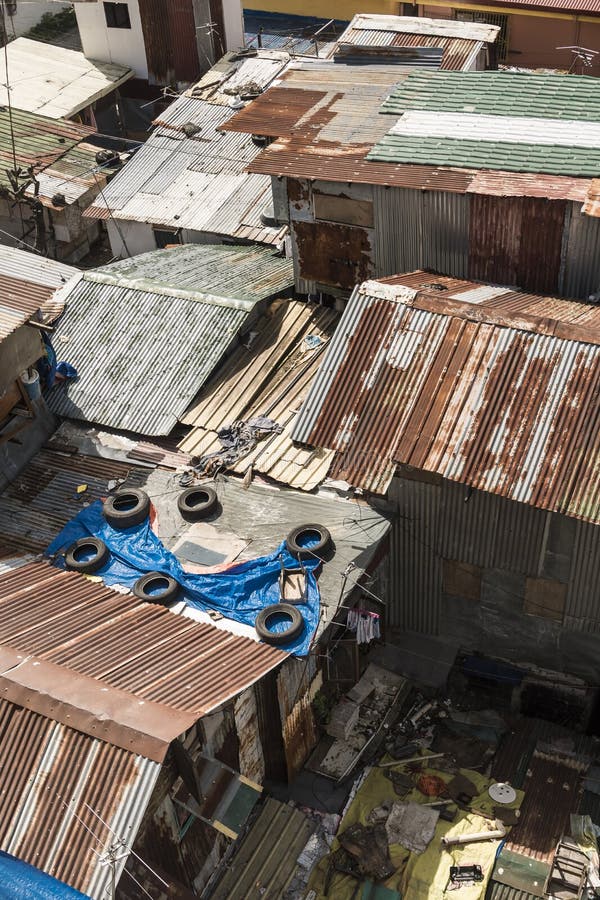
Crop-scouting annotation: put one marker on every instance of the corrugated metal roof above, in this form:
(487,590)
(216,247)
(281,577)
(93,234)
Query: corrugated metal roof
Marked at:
(265,860)
(76,630)
(501,401)
(34,269)
(235,72)
(422,147)
(56,150)
(551,783)
(271,377)
(422,26)
(27,287)
(334,131)
(461,42)
(498,94)
(163,320)
(56,82)
(198,183)
(500,299)
(506,129)
(50,775)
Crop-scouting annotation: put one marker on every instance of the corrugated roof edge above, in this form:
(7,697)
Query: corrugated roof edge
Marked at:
(152,287)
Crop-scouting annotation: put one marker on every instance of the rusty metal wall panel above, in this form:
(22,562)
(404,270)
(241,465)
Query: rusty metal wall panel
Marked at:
(252,763)
(332,254)
(582,263)
(169,33)
(415,565)
(516,241)
(420,229)
(297,684)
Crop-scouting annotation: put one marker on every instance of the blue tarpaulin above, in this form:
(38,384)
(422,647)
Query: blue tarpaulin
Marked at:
(20,881)
(239,592)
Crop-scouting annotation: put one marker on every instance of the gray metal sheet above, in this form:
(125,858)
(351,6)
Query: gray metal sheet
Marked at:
(142,349)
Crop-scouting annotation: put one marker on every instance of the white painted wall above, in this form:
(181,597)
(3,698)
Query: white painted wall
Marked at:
(29,13)
(117,45)
(139,238)
(233,18)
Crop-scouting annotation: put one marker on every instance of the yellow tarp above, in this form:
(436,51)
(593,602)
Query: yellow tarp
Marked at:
(422,876)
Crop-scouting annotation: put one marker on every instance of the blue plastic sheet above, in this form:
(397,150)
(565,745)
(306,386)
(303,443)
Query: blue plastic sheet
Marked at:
(239,592)
(20,881)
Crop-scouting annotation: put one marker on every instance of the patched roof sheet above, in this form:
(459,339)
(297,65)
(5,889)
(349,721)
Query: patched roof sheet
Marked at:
(504,402)
(144,334)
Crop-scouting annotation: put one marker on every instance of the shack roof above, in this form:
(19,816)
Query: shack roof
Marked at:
(27,286)
(503,401)
(57,82)
(191,174)
(130,673)
(492,119)
(64,793)
(269,374)
(385,37)
(332,123)
(59,155)
(530,7)
(163,320)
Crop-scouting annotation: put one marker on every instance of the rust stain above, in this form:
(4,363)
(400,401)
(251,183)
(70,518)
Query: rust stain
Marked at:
(331,254)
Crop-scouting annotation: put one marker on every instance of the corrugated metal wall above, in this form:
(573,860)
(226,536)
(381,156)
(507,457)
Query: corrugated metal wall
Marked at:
(420,230)
(541,245)
(415,564)
(582,271)
(169,30)
(582,611)
(507,541)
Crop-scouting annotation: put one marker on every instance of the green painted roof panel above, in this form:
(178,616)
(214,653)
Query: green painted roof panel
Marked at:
(498,93)
(496,155)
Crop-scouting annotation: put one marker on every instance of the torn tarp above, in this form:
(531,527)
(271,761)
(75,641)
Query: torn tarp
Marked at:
(239,592)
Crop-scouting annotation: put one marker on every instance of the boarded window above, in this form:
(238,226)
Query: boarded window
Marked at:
(545,598)
(117,15)
(461,579)
(330,208)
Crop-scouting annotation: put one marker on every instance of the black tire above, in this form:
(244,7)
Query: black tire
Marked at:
(150,588)
(197,502)
(294,542)
(126,508)
(94,552)
(279,637)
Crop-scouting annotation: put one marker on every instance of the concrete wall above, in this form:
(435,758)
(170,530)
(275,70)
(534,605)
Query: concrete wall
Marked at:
(495,576)
(234,24)
(117,45)
(533,39)
(29,13)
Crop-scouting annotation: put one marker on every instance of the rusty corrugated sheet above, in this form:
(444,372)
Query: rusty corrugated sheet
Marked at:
(551,783)
(170,40)
(591,207)
(283,109)
(269,377)
(128,645)
(294,158)
(48,773)
(459,54)
(558,6)
(497,297)
(505,403)
(516,240)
